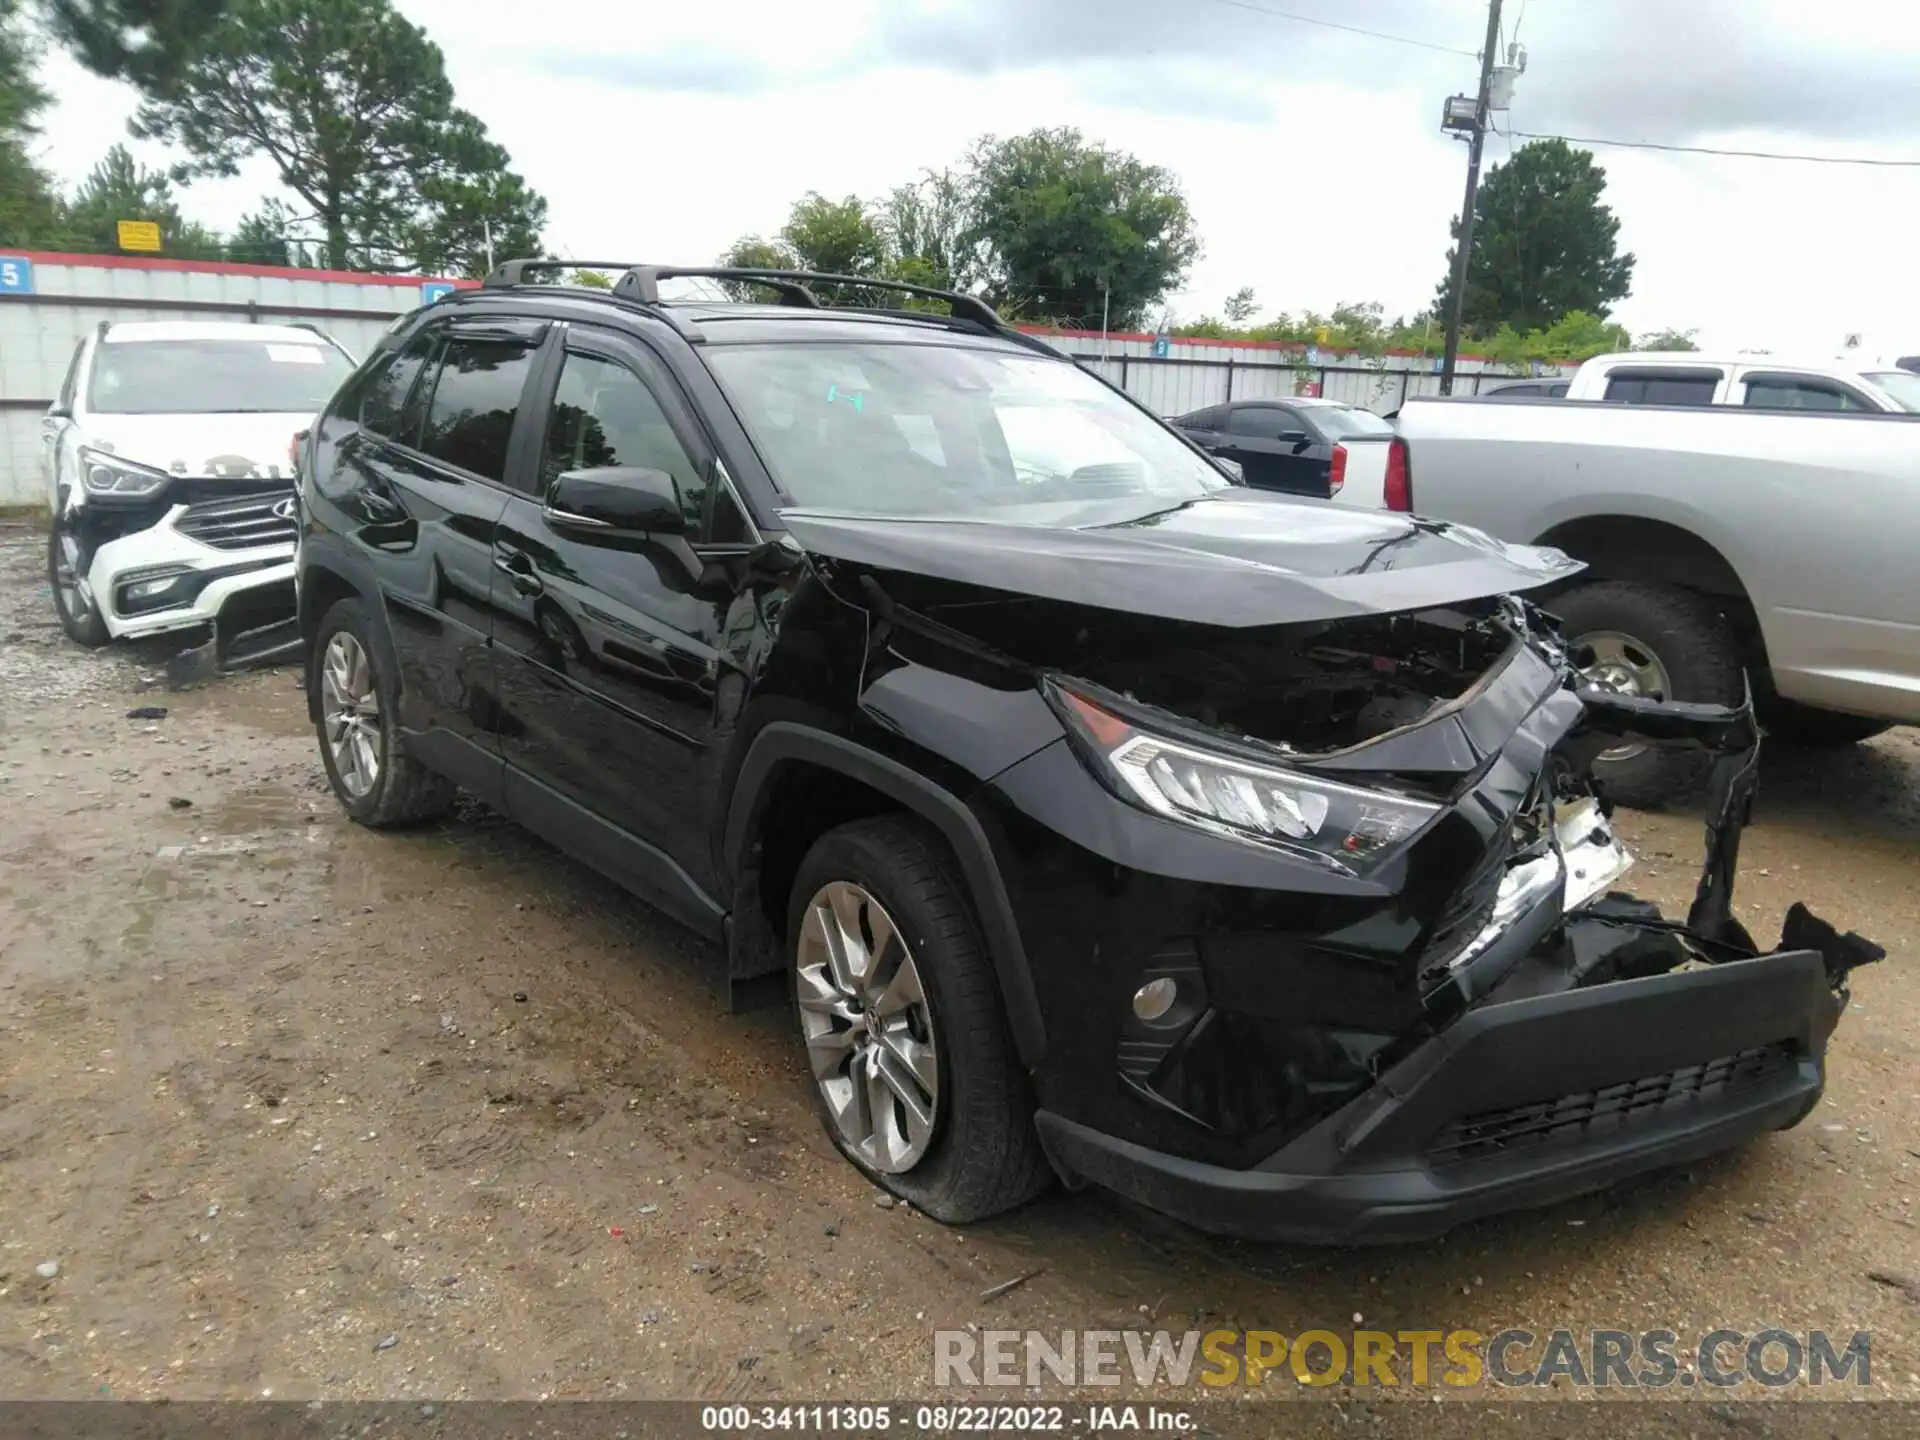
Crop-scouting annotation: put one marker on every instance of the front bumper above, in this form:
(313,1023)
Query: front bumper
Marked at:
(1516,1104)
(1556,1040)
(207,578)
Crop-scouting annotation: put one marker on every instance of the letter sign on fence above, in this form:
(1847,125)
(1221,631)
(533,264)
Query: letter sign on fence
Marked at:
(16,275)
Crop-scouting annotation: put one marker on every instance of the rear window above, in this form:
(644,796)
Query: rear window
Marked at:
(214,377)
(1341,422)
(1662,387)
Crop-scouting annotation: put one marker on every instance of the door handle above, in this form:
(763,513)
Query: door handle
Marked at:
(518,569)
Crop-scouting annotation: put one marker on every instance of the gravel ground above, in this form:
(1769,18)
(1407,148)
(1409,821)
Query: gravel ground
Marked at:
(303,1110)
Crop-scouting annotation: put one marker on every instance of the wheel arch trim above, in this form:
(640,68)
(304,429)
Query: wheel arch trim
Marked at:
(784,742)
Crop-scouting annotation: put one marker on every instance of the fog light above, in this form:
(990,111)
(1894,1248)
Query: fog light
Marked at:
(147,589)
(1155,998)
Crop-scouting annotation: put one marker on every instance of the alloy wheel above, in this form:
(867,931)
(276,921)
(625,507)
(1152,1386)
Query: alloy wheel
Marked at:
(868,1026)
(350,712)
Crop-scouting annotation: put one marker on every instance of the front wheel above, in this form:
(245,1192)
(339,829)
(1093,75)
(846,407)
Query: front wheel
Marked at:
(67,562)
(913,1068)
(1662,643)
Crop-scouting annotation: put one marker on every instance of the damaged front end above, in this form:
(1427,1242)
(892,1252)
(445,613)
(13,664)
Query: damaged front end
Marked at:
(1434,1002)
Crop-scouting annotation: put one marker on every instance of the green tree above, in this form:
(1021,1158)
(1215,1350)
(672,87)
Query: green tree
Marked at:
(1544,243)
(1668,339)
(271,236)
(351,103)
(137,40)
(1241,305)
(29,203)
(120,188)
(925,227)
(1067,228)
(834,237)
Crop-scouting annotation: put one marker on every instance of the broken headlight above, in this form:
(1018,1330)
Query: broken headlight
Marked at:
(108,477)
(1345,826)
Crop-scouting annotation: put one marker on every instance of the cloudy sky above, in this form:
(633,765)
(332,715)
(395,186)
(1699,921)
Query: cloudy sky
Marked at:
(661,130)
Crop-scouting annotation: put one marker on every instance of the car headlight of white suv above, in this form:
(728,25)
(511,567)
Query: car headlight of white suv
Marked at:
(108,477)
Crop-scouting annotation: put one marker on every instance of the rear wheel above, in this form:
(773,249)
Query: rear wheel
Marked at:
(67,562)
(373,776)
(914,1072)
(1660,642)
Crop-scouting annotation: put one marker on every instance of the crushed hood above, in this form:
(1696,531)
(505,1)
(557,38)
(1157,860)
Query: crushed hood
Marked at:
(221,447)
(1242,558)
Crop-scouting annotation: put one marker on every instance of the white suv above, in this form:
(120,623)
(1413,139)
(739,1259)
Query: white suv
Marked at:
(168,471)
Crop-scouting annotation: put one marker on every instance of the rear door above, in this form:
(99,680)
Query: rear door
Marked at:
(614,649)
(1276,450)
(429,464)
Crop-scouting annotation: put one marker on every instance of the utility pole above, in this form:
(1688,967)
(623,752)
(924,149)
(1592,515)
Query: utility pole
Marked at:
(1464,249)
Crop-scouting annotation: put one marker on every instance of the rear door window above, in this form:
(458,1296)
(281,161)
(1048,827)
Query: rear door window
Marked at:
(1801,392)
(476,397)
(1662,387)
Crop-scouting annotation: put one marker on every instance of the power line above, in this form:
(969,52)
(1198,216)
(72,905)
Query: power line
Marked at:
(1350,29)
(1710,150)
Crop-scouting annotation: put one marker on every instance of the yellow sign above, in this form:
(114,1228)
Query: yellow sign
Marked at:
(139,234)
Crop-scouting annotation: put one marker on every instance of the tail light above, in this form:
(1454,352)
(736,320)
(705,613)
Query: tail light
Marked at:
(1398,488)
(1338,476)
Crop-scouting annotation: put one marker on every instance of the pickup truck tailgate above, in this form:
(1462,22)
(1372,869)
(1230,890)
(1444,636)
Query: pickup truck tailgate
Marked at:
(1364,469)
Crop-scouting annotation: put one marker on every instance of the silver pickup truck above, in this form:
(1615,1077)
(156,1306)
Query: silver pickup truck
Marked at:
(1718,542)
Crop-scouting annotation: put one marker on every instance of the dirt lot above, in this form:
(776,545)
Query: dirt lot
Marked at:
(300,1109)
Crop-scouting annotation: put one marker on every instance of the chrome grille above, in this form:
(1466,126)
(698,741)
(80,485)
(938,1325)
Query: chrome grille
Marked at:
(243,523)
(1584,1114)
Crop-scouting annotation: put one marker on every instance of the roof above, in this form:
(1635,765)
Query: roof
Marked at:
(132,332)
(1829,365)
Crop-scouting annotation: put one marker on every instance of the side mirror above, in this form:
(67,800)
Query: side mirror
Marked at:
(57,411)
(1298,439)
(616,499)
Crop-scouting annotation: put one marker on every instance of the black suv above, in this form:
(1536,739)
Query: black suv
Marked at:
(1104,818)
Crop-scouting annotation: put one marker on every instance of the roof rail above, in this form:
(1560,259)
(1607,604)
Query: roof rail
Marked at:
(644,284)
(514,272)
(640,284)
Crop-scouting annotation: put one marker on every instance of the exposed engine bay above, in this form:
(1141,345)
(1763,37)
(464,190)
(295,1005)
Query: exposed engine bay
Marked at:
(1308,688)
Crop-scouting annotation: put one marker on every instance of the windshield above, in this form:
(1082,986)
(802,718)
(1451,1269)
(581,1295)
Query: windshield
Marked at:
(1902,385)
(209,377)
(1340,422)
(930,430)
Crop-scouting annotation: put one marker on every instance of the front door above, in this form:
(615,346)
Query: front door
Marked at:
(612,649)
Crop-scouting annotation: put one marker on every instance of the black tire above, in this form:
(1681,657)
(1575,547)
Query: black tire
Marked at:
(404,792)
(1796,724)
(1696,646)
(985,1156)
(88,628)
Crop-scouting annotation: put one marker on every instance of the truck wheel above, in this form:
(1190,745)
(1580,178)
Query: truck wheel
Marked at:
(1803,725)
(1661,642)
(913,1067)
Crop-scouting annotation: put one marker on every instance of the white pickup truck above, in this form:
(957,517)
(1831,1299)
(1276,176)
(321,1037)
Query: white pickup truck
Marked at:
(1718,539)
(1754,382)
